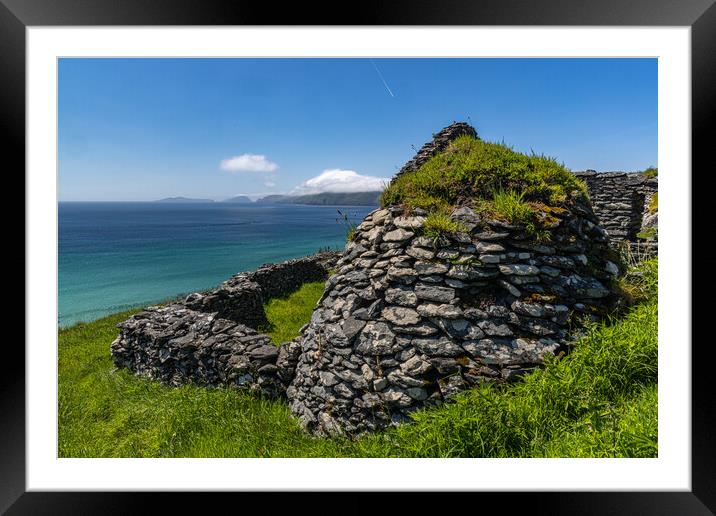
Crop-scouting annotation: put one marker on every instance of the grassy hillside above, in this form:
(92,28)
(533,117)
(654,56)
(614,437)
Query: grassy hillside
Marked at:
(599,401)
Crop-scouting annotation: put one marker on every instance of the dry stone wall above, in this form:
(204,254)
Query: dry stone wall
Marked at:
(621,202)
(211,338)
(241,298)
(407,320)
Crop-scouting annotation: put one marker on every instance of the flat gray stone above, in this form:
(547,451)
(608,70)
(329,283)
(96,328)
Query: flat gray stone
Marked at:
(397,235)
(402,296)
(434,293)
(519,269)
(400,315)
(437,310)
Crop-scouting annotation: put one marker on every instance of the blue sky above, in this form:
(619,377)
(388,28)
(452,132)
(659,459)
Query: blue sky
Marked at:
(144,129)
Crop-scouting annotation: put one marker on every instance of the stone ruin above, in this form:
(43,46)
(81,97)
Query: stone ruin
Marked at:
(211,338)
(408,321)
(405,321)
(621,202)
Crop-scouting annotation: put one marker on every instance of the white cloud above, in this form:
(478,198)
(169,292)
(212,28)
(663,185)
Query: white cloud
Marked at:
(270,184)
(248,163)
(337,180)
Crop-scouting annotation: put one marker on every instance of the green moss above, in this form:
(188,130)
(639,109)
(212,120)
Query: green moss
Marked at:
(653,206)
(651,172)
(470,169)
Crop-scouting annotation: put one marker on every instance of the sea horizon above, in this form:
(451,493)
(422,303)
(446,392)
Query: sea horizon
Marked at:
(118,255)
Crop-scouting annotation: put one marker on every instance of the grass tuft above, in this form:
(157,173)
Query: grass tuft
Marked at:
(438,224)
(347,222)
(510,206)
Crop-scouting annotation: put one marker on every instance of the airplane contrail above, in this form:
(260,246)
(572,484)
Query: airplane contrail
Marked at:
(382,79)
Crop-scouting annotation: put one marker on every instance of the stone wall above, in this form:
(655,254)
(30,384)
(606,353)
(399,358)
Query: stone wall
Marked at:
(621,202)
(408,320)
(241,297)
(211,338)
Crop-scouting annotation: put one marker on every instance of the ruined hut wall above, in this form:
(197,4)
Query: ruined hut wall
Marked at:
(620,201)
(241,298)
(211,338)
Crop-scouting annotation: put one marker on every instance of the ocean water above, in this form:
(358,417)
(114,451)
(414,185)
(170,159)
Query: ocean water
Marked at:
(115,256)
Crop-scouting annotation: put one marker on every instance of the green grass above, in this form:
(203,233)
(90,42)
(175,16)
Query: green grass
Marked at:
(651,172)
(474,169)
(598,401)
(510,206)
(108,413)
(439,223)
(287,314)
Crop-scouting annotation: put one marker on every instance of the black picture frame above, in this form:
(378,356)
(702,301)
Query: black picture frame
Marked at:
(700,15)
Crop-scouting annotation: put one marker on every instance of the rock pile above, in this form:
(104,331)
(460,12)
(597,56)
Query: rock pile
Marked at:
(408,320)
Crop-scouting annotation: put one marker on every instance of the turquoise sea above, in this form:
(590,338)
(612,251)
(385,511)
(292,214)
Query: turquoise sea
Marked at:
(119,255)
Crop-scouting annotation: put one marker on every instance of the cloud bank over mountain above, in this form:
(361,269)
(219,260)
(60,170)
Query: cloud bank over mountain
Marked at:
(340,181)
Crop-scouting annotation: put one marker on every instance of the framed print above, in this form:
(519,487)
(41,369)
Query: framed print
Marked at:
(285,251)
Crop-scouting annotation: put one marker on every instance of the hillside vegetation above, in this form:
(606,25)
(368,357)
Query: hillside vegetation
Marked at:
(598,401)
(489,177)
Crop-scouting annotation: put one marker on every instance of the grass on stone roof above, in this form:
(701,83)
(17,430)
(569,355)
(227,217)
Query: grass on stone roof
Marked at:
(471,170)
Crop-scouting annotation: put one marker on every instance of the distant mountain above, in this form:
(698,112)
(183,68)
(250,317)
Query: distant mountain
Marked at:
(327,198)
(183,199)
(271,199)
(239,198)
